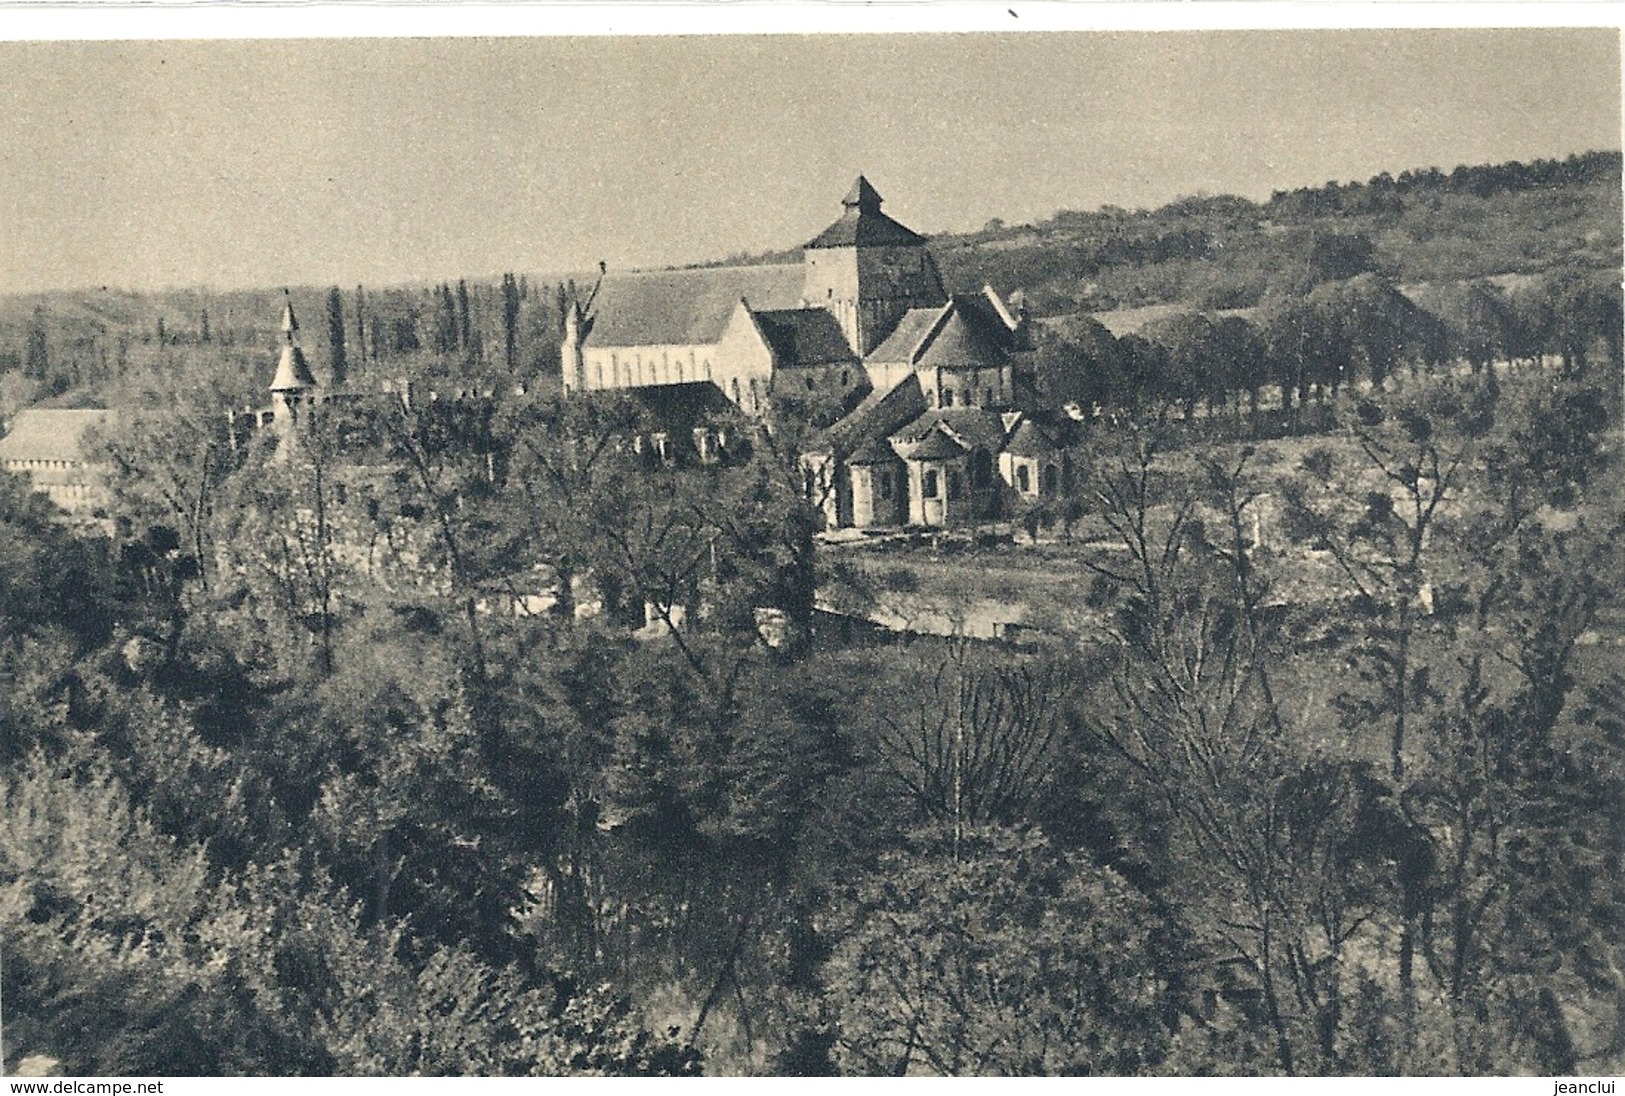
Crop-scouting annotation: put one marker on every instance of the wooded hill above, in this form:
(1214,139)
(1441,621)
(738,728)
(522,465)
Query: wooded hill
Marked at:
(1221,251)
(1425,231)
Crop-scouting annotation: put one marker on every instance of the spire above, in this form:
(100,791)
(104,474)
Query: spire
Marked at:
(292,373)
(862,224)
(289,325)
(862,196)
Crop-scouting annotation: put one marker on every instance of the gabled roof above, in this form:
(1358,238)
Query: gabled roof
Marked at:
(863,225)
(50,434)
(938,443)
(966,333)
(972,426)
(687,307)
(970,337)
(804,336)
(905,338)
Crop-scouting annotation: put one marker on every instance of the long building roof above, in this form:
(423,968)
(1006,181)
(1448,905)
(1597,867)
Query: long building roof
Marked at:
(687,307)
(50,434)
(805,336)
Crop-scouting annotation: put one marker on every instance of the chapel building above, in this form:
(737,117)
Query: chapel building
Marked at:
(934,420)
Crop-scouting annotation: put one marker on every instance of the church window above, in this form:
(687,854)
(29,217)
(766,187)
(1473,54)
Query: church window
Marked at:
(947,397)
(928,486)
(846,377)
(1024,482)
(987,397)
(733,386)
(809,382)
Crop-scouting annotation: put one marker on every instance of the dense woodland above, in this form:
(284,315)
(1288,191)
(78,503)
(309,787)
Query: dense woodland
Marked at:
(307,775)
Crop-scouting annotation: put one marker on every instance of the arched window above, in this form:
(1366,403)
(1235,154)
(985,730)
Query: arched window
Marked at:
(846,377)
(928,487)
(987,397)
(809,382)
(947,397)
(1024,482)
(733,387)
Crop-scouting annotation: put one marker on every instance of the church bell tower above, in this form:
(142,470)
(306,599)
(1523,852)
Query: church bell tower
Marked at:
(868,270)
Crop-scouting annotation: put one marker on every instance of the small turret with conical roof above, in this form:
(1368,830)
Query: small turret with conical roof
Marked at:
(293,385)
(292,372)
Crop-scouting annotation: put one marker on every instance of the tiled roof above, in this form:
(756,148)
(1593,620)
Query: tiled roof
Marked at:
(863,225)
(971,337)
(859,227)
(967,332)
(878,416)
(687,307)
(678,408)
(937,444)
(50,434)
(805,336)
(877,450)
(971,425)
(899,345)
(1030,441)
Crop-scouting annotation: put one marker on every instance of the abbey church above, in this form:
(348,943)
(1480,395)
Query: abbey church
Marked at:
(935,417)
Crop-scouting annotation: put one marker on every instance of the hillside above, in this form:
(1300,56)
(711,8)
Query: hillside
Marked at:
(1423,230)
(1227,252)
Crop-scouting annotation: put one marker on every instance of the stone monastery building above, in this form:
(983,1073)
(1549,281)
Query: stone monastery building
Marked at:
(935,418)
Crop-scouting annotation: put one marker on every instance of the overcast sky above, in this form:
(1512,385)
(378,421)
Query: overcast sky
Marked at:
(232,163)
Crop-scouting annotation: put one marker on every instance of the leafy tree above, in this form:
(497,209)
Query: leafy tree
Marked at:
(996,955)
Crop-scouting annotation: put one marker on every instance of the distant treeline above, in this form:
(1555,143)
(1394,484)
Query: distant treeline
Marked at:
(82,348)
(1226,251)
(1386,193)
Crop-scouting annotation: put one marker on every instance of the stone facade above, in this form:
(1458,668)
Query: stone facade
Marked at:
(863,324)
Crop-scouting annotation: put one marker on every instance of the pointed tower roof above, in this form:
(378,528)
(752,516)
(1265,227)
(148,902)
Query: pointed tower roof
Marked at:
(863,225)
(863,196)
(292,372)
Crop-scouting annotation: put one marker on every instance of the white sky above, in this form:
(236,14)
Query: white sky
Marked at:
(262,162)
